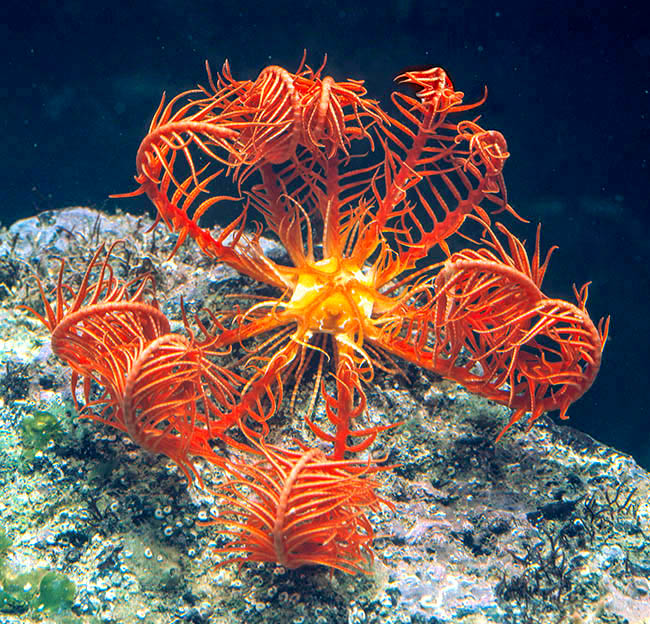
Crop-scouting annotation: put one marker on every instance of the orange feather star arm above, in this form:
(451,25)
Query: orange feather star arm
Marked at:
(162,389)
(485,323)
(299,508)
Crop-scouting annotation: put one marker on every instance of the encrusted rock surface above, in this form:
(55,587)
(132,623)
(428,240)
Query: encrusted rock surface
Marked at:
(544,526)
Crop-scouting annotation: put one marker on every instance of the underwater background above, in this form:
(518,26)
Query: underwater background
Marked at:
(568,87)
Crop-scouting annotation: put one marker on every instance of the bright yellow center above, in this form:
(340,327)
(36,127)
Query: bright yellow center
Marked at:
(333,298)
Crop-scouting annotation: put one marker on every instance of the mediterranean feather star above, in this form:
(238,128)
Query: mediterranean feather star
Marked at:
(360,201)
(358,226)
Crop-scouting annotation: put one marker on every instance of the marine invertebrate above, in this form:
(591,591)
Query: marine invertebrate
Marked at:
(500,336)
(360,200)
(354,292)
(155,383)
(307,509)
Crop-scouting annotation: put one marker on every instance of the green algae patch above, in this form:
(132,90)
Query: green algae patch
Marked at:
(22,585)
(56,593)
(39,429)
(5,544)
(11,605)
(38,590)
